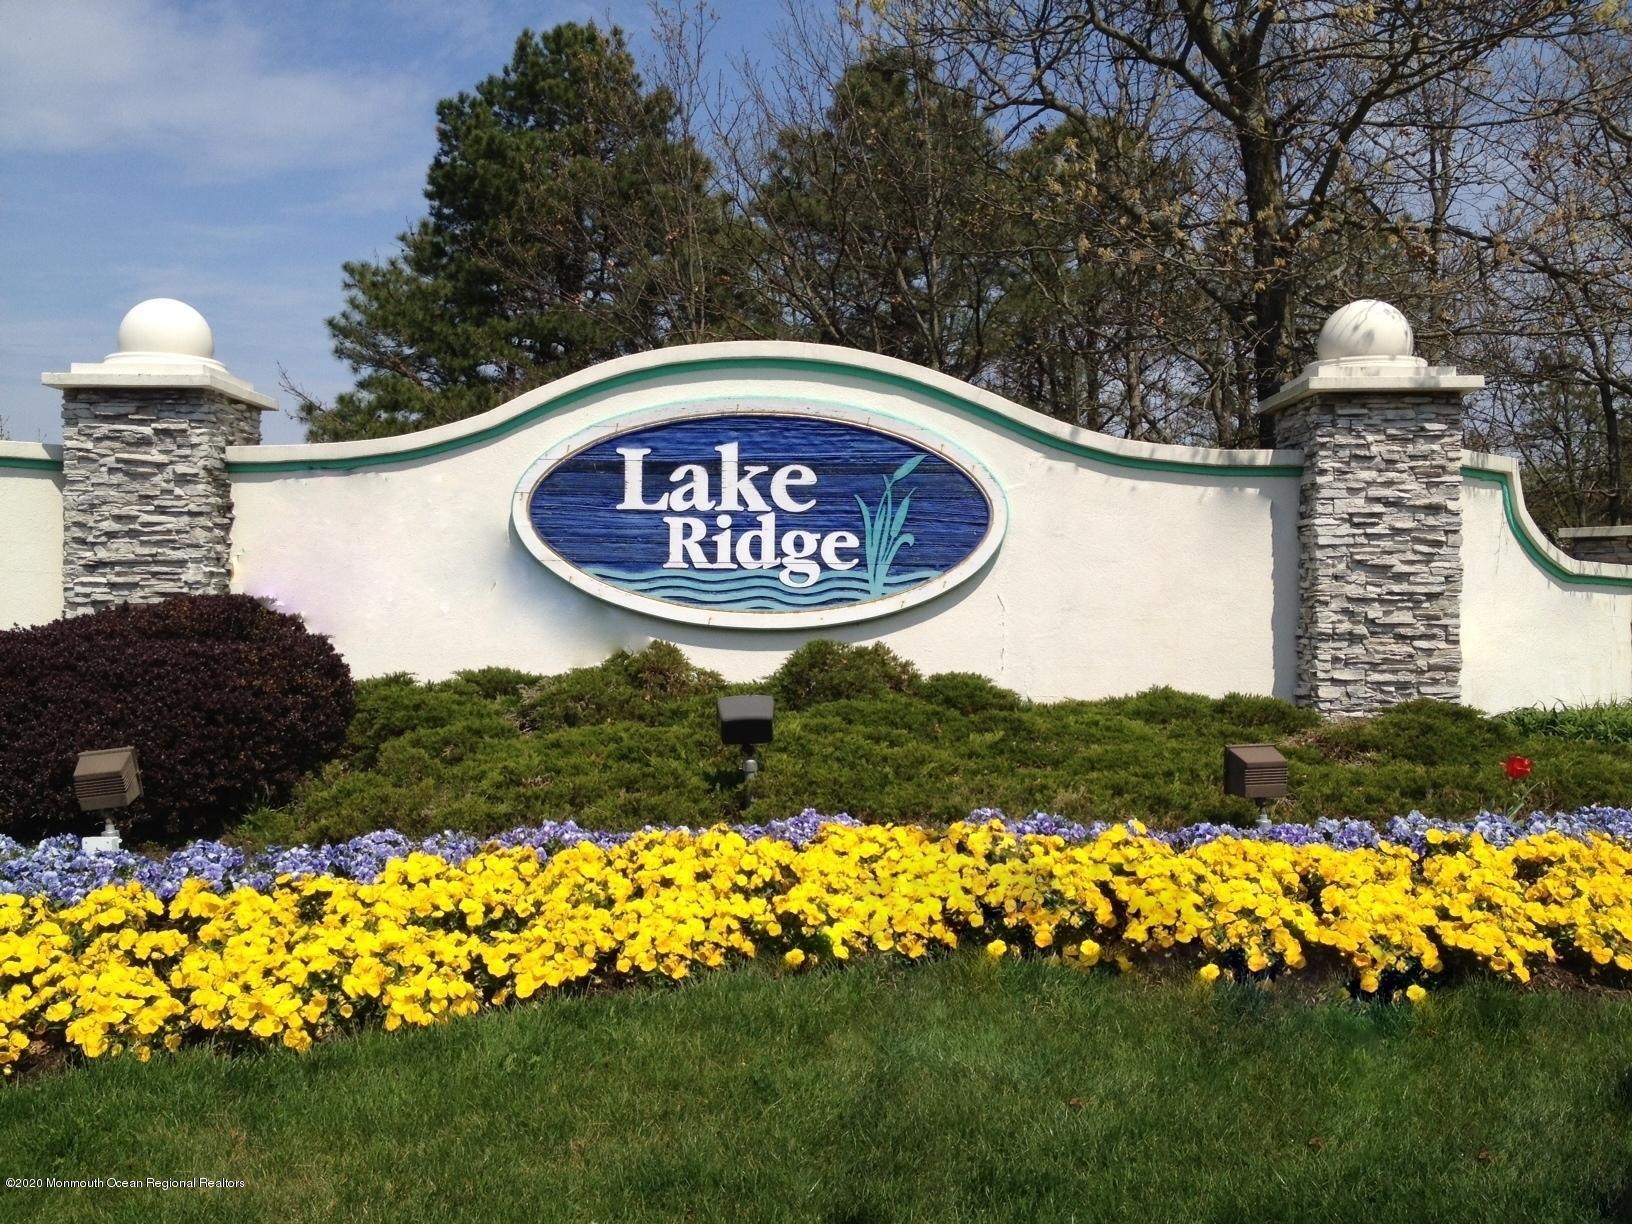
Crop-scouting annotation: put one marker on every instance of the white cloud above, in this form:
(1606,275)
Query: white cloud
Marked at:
(204,88)
(485,27)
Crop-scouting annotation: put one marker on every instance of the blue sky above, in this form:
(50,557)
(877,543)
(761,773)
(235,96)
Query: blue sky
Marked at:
(232,154)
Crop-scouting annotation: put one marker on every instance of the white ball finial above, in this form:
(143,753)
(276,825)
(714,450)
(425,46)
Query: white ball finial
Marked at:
(1365,329)
(163,343)
(164,327)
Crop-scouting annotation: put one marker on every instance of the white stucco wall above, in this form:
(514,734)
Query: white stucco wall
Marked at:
(1537,625)
(1110,579)
(30,533)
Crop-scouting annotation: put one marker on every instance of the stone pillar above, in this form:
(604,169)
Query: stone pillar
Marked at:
(1611,544)
(146,503)
(1380,515)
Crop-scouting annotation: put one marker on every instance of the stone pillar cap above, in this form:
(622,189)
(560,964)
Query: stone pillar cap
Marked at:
(1367,346)
(164,344)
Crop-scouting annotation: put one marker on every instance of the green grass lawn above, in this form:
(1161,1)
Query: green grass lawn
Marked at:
(633,741)
(954,1090)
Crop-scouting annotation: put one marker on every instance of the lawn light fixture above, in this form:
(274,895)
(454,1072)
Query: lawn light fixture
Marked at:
(1255,771)
(746,722)
(104,779)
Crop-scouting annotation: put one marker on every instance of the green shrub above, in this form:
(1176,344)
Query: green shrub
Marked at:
(494,682)
(1269,715)
(633,741)
(395,705)
(823,671)
(610,775)
(1423,732)
(1603,723)
(1165,707)
(653,685)
(968,693)
(226,702)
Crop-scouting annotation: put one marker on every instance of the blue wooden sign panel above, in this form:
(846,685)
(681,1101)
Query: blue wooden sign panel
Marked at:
(762,512)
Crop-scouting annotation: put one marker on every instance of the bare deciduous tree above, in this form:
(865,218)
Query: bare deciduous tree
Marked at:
(1281,108)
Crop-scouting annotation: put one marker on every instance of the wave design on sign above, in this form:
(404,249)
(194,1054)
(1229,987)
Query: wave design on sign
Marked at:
(759,592)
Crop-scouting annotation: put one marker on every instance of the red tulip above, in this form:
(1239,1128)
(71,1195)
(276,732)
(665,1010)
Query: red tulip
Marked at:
(1517,767)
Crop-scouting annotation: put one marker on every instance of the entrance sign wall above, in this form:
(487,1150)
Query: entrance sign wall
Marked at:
(1056,561)
(742,499)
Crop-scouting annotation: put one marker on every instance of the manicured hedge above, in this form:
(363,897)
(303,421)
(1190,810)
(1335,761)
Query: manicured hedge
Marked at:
(227,702)
(633,741)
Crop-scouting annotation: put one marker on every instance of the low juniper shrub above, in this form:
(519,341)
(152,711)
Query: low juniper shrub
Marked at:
(227,702)
(496,682)
(655,685)
(1266,716)
(968,693)
(1164,707)
(823,671)
(633,741)
(1421,732)
(394,705)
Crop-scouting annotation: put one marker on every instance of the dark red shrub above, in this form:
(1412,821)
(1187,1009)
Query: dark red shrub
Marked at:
(227,702)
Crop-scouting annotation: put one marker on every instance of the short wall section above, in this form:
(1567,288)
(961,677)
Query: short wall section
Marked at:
(30,533)
(1538,627)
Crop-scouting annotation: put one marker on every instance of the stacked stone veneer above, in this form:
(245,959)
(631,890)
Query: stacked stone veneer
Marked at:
(147,506)
(1380,547)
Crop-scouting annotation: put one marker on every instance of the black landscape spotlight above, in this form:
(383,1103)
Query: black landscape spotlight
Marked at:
(1255,771)
(746,722)
(106,778)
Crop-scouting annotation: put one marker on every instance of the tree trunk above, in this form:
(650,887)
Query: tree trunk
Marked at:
(1612,449)
(1271,313)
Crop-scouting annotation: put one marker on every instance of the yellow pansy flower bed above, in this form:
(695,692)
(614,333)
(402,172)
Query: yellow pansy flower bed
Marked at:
(122,972)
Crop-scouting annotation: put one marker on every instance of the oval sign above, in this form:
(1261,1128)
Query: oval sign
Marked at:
(760,516)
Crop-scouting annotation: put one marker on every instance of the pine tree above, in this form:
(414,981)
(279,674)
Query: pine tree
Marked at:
(878,225)
(564,218)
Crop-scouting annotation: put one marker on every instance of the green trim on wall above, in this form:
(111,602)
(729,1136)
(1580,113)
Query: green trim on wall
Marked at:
(30,465)
(1528,542)
(617,382)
